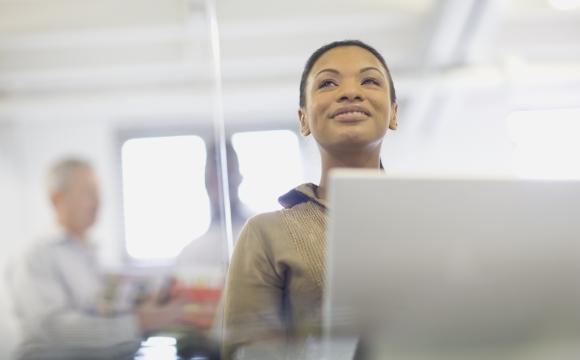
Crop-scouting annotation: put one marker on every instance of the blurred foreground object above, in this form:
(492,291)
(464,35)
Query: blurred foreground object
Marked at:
(452,268)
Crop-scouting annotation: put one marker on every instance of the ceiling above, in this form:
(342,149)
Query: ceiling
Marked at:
(67,47)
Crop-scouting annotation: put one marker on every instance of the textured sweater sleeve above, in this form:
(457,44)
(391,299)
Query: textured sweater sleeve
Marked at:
(254,292)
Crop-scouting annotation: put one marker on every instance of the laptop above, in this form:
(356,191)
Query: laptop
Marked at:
(452,268)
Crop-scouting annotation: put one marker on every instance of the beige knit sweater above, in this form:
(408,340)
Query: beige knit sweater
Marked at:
(273,293)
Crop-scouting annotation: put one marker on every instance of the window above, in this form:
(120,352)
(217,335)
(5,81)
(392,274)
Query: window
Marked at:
(547,143)
(270,166)
(166,205)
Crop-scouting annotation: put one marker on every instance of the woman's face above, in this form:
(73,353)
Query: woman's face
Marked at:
(347,100)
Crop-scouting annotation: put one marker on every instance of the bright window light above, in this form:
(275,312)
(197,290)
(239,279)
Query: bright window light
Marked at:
(547,143)
(565,4)
(270,165)
(166,205)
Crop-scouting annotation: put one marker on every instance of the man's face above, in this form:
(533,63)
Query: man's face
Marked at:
(77,205)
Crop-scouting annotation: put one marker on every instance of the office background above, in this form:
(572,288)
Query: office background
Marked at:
(485,88)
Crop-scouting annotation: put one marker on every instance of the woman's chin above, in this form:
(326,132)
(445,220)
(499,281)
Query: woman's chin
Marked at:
(357,138)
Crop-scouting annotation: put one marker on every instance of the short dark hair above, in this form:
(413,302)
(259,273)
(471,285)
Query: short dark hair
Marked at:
(318,53)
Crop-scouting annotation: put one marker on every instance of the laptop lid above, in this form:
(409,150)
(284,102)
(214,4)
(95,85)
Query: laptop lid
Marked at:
(454,268)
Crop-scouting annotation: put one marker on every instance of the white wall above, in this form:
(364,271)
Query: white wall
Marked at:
(11,218)
(462,133)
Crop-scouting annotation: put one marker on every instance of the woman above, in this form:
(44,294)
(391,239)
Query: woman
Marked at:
(276,277)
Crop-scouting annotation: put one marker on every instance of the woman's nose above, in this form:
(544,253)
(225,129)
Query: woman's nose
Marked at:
(350,92)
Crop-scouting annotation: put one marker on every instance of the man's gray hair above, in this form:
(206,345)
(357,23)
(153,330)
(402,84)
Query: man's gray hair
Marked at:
(59,174)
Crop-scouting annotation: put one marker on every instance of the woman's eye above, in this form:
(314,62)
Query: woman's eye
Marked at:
(371,81)
(326,83)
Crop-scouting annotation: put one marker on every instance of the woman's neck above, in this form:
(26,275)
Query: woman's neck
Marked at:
(360,160)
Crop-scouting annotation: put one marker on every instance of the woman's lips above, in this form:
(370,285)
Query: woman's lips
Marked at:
(351,113)
(351,116)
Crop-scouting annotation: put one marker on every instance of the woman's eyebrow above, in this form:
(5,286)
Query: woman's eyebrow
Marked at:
(334,71)
(369,68)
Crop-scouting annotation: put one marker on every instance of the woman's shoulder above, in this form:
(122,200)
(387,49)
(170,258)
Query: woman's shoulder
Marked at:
(264,223)
(300,207)
(262,237)
(275,220)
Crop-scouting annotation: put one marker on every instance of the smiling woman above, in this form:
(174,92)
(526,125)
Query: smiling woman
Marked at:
(347,102)
(276,277)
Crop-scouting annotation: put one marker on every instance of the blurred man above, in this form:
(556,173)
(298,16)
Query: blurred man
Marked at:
(59,291)
(201,265)
(209,251)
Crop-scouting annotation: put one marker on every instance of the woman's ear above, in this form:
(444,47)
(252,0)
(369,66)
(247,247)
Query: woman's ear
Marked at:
(304,128)
(394,117)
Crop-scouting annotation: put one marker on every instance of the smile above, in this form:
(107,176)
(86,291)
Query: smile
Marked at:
(351,113)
